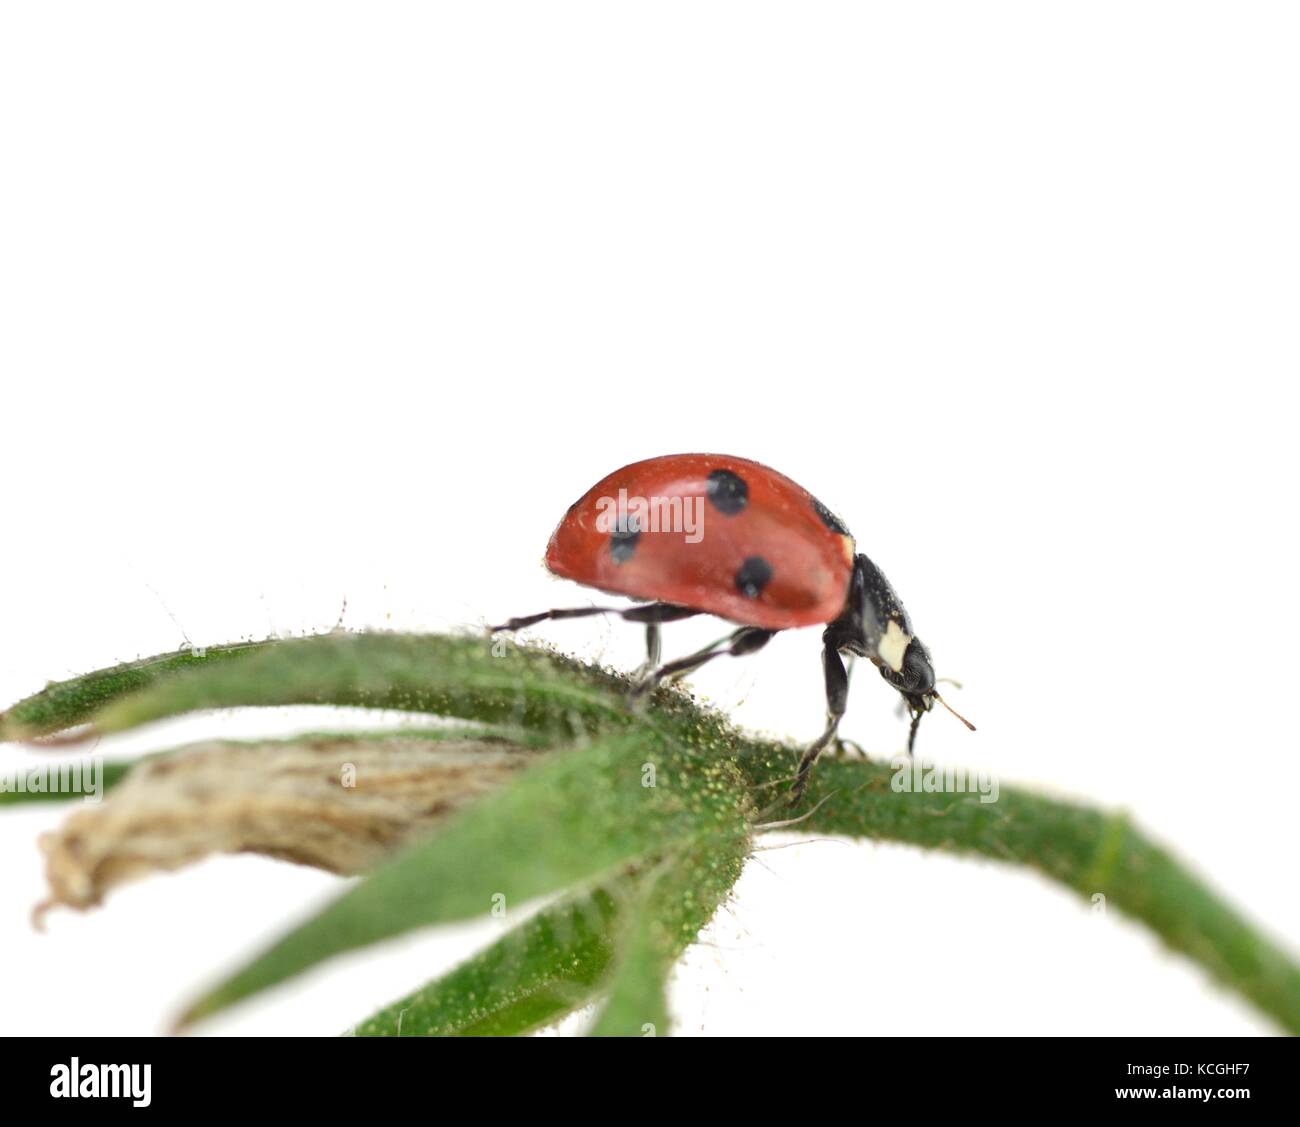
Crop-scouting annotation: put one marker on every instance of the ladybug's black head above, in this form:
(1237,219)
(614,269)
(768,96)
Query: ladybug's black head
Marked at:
(916,683)
(875,625)
(914,679)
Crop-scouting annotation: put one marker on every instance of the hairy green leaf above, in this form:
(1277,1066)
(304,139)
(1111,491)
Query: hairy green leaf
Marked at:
(64,704)
(676,899)
(473,679)
(531,977)
(1091,851)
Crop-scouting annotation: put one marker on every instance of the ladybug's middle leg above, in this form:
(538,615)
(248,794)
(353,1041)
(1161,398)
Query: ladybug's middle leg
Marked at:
(653,651)
(746,640)
(837,700)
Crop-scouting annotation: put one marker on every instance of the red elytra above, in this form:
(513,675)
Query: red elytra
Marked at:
(699,535)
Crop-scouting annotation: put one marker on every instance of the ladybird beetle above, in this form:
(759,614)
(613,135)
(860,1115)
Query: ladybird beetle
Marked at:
(688,534)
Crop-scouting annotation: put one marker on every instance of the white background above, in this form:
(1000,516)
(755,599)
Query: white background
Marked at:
(306,302)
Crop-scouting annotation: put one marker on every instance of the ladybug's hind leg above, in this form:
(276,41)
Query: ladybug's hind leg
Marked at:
(651,614)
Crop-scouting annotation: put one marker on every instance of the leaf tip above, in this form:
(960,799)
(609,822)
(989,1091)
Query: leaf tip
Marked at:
(188,1018)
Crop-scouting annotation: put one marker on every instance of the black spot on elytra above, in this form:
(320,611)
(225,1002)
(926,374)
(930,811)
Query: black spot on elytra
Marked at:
(829,519)
(754,574)
(728,492)
(622,541)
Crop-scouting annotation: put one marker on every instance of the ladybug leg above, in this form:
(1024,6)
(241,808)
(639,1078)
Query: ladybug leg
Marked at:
(653,645)
(653,650)
(837,700)
(911,735)
(841,747)
(746,640)
(658,613)
(533,619)
(651,613)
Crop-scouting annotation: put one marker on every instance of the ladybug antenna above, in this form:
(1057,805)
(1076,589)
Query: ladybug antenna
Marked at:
(953,711)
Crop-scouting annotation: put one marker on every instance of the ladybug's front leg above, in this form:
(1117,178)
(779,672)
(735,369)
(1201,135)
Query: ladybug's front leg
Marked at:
(837,701)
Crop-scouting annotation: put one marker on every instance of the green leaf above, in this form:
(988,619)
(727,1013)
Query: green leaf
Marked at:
(1093,852)
(517,738)
(677,898)
(489,681)
(579,816)
(64,704)
(112,774)
(531,977)
(462,677)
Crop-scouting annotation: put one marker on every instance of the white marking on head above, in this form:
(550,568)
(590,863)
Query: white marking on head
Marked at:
(893,646)
(849,548)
